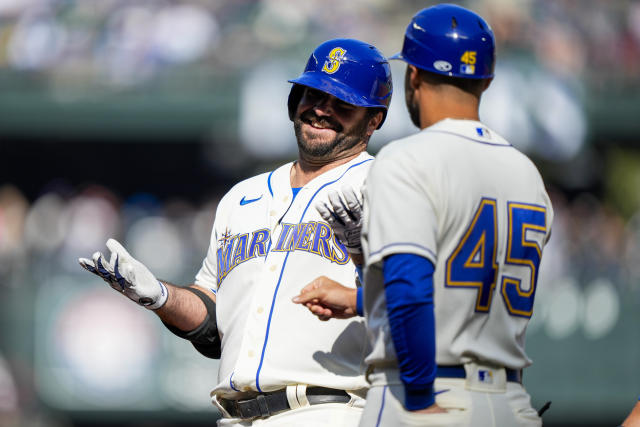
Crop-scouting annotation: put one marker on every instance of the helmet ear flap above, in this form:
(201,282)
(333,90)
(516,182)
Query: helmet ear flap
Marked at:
(294,99)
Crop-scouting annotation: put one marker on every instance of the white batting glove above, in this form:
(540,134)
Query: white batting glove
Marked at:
(127,275)
(343,212)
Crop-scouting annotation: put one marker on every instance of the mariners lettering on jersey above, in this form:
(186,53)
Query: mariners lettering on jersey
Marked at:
(313,237)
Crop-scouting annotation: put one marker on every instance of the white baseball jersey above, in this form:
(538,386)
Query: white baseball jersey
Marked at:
(265,247)
(460,195)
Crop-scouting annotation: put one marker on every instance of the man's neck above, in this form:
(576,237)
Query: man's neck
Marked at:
(448,105)
(306,169)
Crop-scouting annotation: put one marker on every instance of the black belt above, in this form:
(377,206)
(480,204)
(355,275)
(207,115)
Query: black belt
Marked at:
(458,371)
(267,404)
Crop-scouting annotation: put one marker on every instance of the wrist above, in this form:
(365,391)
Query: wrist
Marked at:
(161,300)
(357,259)
(418,397)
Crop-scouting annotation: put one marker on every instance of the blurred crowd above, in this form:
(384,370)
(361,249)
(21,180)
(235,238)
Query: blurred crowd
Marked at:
(60,348)
(122,42)
(598,41)
(590,239)
(64,223)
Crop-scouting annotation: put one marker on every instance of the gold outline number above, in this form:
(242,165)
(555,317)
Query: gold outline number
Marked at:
(476,267)
(469,57)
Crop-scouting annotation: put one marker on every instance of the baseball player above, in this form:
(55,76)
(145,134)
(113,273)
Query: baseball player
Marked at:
(455,220)
(278,365)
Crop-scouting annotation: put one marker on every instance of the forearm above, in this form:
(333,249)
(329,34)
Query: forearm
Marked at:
(183,309)
(409,293)
(190,313)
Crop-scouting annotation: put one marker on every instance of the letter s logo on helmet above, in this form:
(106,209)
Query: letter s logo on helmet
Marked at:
(351,70)
(450,40)
(334,60)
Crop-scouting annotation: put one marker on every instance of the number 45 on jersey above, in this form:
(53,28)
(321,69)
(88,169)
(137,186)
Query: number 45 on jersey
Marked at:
(474,264)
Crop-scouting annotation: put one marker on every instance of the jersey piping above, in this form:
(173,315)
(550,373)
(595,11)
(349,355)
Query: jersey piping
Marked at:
(494,144)
(231,382)
(275,293)
(269,183)
(404,244)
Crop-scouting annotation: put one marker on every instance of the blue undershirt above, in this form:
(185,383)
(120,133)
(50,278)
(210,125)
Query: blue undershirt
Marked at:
(359,302)
(295,190)
(408,283)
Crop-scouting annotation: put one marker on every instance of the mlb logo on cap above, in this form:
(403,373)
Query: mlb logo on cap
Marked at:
(467,69)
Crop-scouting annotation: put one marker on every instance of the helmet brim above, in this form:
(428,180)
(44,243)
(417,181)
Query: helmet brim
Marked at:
(322,82)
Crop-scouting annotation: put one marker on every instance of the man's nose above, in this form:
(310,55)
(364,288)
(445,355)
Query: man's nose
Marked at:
(324,106)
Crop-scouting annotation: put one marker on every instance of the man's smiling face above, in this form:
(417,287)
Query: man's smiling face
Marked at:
(326,126)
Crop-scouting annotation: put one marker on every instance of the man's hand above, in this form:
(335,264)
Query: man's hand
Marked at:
(343,212)
(433,409)
(328,299)
(633,420)
(127,275)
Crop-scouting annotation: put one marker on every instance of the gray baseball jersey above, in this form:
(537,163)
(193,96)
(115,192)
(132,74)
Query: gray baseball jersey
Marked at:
(460,195)
(265,246)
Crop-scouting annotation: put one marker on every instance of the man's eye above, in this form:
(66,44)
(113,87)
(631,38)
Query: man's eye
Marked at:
(345,106)
(315,94)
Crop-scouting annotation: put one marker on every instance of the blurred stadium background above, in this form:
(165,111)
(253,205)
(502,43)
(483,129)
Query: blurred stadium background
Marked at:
(130,118)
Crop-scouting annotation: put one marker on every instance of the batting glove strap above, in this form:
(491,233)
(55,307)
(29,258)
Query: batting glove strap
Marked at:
(149,303)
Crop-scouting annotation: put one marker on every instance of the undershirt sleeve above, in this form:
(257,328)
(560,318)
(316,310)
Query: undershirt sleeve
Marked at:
(408,280)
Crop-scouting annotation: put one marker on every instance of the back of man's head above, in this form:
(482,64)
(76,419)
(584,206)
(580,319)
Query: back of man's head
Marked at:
(450,45)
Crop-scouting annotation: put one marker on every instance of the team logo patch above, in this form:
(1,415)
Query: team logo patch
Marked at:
(483,132)
(334,60)
(485,376)
(442,66)
(225,237)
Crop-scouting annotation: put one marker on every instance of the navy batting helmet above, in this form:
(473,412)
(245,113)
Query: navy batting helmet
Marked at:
(450,40)
(351,70)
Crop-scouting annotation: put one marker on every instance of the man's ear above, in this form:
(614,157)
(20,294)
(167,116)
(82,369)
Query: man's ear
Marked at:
(374,122)
(414,77)
(487,83)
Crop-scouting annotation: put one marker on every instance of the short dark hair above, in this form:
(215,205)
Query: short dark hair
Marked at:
(372,111)
(472,86)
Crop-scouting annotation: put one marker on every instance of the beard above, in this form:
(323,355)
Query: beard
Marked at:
(343,140)
(409,98)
